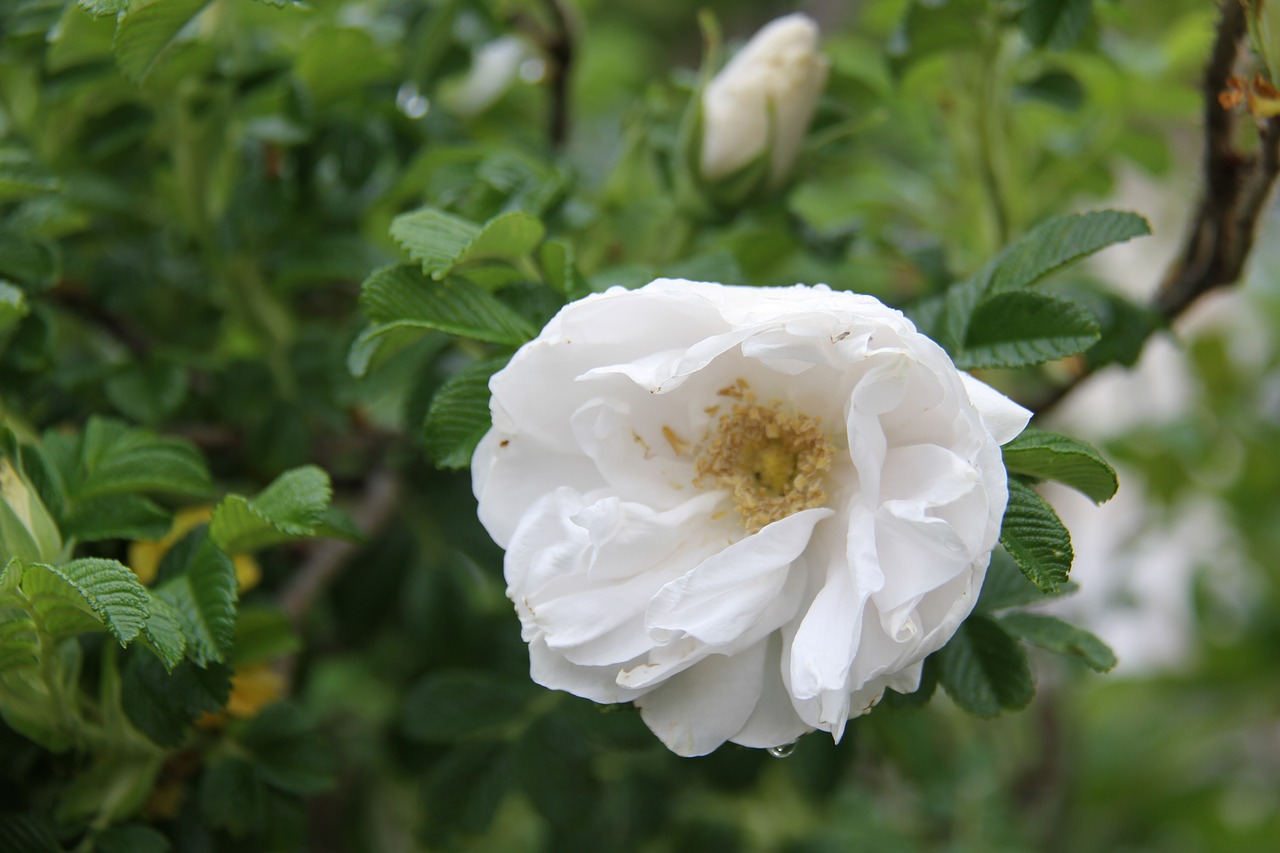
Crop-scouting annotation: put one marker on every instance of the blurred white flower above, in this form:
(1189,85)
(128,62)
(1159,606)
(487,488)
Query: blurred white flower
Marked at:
(495,65)
(749,510)
(763,99)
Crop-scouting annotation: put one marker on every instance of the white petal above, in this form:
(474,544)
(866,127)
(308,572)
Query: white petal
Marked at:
(699,709)
(725,596)
(1002,417)
(773,721)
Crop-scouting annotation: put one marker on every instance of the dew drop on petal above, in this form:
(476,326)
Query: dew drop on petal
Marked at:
(783,751)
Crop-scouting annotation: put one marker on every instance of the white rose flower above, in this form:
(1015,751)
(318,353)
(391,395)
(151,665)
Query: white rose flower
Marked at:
(778,71)
(748,510)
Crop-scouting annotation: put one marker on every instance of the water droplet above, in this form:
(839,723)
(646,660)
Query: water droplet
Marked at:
(410,101)
(783,751)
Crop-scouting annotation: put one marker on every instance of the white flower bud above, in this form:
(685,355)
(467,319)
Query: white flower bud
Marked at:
(26,529)
(779,71)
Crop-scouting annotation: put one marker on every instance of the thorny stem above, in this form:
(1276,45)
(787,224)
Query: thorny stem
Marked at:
(1237,186)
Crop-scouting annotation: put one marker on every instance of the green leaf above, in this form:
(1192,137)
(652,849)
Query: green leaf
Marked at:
(1022,328)
(930,26)
(1006,586)
(231,795)
(1057,242)
(162,705)
(148,30)
(1049,456)
(442,242)
(461,792)
(984,670)
(132,838)
(445,707)
(28,261)
(1035,538)
(1057,87)
(199,581)
(21,175)
(400,296)
(1055,24)
(294,506)
(262,634)
(1125,325)
(556,258)
(25,833)
(1062,638)
(288,752)
(60,601)
(114,459)
(98,8)
(148,392)
(459,415)
(116,517)
(13,306)
(922,695)
(163,633)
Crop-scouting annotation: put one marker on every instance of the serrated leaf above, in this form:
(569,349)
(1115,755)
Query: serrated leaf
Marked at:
(984,670)
(148,30)
(1055,24)
(162,633)
(292,507)
(116,517)
(1022,328)
(444,707)
(442,242)
(199,581)
(162,705)
(459,415)
(1054,635)
(400,296)
(83,595)
(1049,456)
(115,459)
(556,258)
(148,392)
(1057,242)
(1006,586)
(1034,536)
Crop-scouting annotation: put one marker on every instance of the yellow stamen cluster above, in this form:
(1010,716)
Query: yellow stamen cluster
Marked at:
(772,461)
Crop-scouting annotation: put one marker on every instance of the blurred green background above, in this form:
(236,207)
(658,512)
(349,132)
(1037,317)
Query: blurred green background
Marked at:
(191,235)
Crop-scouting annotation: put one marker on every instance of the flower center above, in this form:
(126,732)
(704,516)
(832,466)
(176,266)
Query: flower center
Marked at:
(771,460)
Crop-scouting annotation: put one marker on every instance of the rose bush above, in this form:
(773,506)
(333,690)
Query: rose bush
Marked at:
(748,510)
(763,99)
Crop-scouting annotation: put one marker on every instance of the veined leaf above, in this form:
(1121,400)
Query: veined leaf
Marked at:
(1006,586)
(116,517)
(294,506)
(148,30)
(60,601)
(163,633)
(1035,538)
(446,706)
(1052,634)
(400,296)
(162,704)
(1022,328)
(459,415)
(199,581)
(1050,456)
(1057,242)
(287,750)
(441,242)
(115,459)
(984,670)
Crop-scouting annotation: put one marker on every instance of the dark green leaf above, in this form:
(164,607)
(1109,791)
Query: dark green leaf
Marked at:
(288,752)
(30,262)
(1060,637)
(24,833)
(556,257)
(1049,456)
(199,581)
(931,26)
(116,517)
(163,633)
(1056,87)
(401,296)
(444,707)
(462,791)
(1035,538)
(83,595)
(292,507)
(984,670)
(148,30)
(263,633)
(1055,24)
(1006,586)
(21,175)
(13,307)
(441,242)
(162,705)
(922,695)
(231,795)
(148,392)
(1022,328)
(459,415)
(103,7)
(115,459)
(132,838)
(1057,242)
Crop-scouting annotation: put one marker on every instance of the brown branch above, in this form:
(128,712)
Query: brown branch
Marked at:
(558,45)
(1237,186)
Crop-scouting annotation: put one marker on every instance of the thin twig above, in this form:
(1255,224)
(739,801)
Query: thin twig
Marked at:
(558,45)
(1237,186)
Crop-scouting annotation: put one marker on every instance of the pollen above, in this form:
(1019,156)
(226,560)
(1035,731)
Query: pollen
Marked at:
(771,459)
